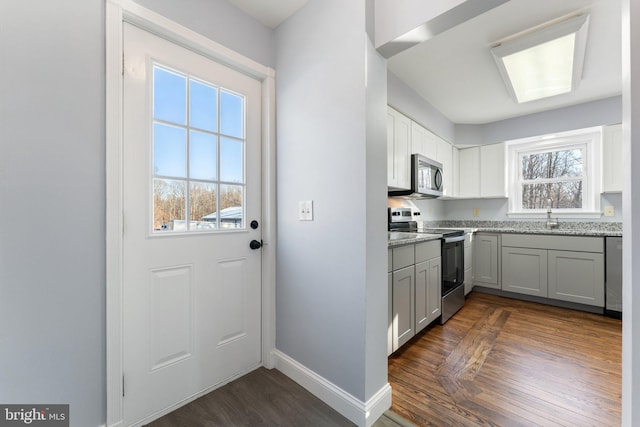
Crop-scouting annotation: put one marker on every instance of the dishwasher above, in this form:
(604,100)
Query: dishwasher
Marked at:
(613,277)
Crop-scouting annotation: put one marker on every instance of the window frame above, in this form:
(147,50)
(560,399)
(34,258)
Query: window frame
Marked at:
(589,140)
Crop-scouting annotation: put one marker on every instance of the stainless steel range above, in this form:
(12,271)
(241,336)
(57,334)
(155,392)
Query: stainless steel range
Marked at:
(400,219)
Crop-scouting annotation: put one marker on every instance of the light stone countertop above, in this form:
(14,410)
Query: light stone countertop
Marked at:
(553,232)
(566,228)
(400,238)
(589,229)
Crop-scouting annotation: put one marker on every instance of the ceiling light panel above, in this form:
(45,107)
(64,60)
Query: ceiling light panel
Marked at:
(544,63)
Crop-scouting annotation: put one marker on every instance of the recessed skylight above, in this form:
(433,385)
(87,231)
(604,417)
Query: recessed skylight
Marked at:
(545,62)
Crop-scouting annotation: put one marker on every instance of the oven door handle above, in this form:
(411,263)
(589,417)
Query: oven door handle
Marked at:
(453,239)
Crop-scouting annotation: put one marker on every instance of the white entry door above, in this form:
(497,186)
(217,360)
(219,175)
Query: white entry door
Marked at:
(192,182)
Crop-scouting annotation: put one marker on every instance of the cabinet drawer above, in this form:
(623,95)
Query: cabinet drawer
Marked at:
(403,256)
(560,243)
(427,250)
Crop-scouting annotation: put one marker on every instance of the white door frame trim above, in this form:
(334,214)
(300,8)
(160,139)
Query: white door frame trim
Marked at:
(117,12)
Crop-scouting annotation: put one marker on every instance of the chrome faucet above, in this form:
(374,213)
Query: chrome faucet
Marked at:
(551,223)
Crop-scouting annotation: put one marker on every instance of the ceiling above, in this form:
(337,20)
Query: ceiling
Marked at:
(455,72)
(270,12)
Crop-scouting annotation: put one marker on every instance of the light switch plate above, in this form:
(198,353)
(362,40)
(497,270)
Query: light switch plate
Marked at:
(305,210)
(609,211)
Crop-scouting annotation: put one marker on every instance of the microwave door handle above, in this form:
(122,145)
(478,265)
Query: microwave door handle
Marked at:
(438,179)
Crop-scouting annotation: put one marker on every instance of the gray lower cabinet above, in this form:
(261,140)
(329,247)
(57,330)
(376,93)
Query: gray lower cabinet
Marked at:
(468,262)
(524,271)
(403,306)
(577,277)
(390,302)
(567,268)
(428,297)
(486,260)
(390,316)
(414,286)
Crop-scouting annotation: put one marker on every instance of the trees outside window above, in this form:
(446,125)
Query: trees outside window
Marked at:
(560,172)
(552,179)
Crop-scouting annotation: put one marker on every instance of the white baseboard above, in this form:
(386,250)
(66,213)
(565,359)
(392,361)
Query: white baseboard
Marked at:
(361,413)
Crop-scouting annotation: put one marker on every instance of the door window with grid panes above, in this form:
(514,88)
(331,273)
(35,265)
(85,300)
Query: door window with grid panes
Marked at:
(198,157)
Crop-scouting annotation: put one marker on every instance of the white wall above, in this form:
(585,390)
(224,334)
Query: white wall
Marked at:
(326,152)
(52,206)
(496,209)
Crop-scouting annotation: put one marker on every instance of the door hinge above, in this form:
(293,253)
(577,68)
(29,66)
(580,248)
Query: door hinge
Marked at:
(123,386)
(123,63)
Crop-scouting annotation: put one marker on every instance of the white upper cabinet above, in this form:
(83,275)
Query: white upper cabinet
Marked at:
(469,172)
(430,145)
(445,156)
(405,137)
(481,171)
(492,171)
(455,171)
(422,141)
(398,150)
(612,179)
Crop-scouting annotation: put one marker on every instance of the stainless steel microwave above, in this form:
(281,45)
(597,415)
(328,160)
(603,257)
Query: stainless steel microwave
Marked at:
(426,179)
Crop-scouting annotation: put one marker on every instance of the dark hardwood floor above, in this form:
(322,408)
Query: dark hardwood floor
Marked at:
(261,398)
(498,362)
(503,362)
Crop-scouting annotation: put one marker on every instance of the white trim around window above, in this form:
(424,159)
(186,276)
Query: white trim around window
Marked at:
(587,142)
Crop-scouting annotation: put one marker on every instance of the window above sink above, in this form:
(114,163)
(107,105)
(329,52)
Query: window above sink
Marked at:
(558,171)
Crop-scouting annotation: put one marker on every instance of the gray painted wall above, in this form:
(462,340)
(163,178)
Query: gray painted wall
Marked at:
(376,221)
(222,22)
(596,113)
(408,102)
(631,224)
(325,269)
(52,206)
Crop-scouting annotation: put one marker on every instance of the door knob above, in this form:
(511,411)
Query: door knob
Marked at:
(254,244)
